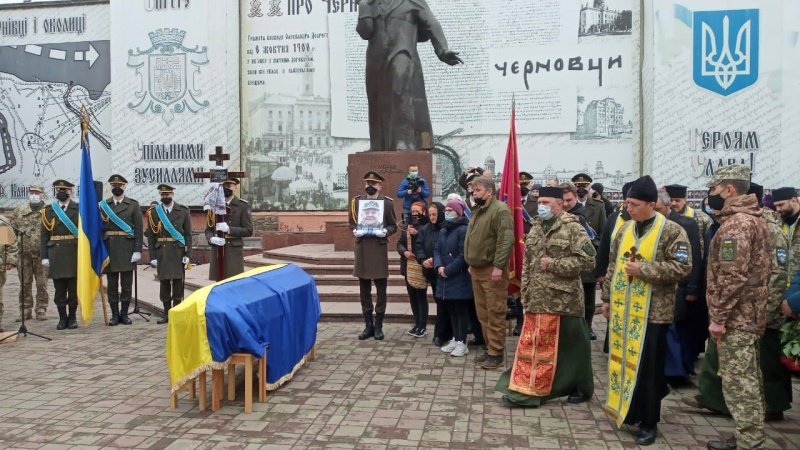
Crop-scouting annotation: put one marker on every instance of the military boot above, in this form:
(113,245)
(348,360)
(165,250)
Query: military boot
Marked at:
(114,320)
(123,314)
(28,315)
(369,329)
(62,317)
(165,319)
(72,322)
(378,327)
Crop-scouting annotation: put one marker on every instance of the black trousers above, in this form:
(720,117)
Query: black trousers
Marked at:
(66,291)
(474,323)
(459,317)
(419,305)
(651,384)
(589,297)
(171,291)
(365,288)
(115,279)
(443,329)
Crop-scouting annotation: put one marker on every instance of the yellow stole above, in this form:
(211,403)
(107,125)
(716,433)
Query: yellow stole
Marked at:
(689,212)
(630,307)
(617,225)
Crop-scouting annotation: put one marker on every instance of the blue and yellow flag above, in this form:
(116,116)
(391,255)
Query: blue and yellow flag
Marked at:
(92,252)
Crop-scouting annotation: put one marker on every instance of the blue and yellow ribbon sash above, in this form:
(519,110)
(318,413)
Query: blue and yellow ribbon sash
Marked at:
(630,307)
(115,218)
(64,218)
(162,215)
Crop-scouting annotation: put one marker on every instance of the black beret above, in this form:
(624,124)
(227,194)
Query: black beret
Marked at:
(676,190)
(598,187)
(644,189)
(552,192)
(784,193)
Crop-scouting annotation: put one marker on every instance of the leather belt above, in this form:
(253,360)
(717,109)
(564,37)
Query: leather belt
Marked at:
(116,233)
(166,239)
(67,237)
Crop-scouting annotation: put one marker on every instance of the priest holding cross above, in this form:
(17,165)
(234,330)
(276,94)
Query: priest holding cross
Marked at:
(647,260)
(229,219)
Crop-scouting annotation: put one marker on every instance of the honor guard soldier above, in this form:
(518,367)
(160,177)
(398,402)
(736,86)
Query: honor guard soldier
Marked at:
(372,220)
(530,199)
(122,229)
(238,224)
(58,247)
(28,218)
(169,238)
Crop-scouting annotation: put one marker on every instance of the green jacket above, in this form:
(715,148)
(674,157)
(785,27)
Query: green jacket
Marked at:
(490,236)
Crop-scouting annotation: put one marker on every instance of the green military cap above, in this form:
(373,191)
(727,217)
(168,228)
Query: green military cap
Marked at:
(676,190)
(733,172)
(165,189)
(36,188)
(783,194)
(372,204)
(62,184)
(117,179)
(373,176)
(232,180)
(525,178)
(581,178)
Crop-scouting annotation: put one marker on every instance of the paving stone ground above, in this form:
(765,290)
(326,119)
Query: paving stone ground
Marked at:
(101,387)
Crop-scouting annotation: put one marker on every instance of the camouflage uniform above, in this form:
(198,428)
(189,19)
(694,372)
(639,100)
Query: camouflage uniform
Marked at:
(703,222)
(779,276)
(558,289)
(739,266)
(8,255)
(794,248)
(28,218)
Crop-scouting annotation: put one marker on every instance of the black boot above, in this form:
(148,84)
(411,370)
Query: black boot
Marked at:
(114,320)
(72,323)
(123,314)
(62,317)
(165,319)
(378,327)
(369,329)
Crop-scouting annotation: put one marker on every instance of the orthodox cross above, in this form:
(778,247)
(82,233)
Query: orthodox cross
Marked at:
(632,256)
(218,174)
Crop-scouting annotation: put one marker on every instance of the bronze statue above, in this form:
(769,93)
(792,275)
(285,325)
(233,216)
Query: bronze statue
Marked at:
(398,109)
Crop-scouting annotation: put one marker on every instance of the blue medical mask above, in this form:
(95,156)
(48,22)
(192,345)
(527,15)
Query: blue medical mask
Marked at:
(708,210)
(545,212)
(450,217)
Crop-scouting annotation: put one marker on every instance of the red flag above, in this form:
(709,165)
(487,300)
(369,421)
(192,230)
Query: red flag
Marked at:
(511,195)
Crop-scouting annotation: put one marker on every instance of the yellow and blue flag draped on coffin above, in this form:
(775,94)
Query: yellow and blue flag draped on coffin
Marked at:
(274,307)
(92,252)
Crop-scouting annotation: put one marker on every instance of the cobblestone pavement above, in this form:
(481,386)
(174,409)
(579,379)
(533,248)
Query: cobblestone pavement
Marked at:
(100,387)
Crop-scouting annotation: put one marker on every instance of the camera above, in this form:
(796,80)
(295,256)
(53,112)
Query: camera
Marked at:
(413,183)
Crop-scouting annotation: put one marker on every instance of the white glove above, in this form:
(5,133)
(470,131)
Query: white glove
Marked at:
(206,207)
(135,257)
(154,263)
(46,262)
(222,226)
(217,241)
(358,233)
(185,260)
(381,233)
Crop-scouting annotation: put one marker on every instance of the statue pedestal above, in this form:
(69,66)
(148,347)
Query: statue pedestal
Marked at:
(393,166)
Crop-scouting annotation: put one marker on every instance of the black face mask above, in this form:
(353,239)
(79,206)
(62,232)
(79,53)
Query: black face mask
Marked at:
(524,191)
(583,192)
(716,202)
(371,190)
(166,200)
(117,191)
(479,201)
(227,192)
(62,196)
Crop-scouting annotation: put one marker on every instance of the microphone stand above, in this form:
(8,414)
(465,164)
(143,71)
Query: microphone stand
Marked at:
(23,329)
(136,309)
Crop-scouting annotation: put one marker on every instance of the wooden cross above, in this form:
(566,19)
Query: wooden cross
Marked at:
(632,256)
(219,175)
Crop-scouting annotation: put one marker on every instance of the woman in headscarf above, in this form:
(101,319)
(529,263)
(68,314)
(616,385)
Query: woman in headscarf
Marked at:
(423,248)
(405,247)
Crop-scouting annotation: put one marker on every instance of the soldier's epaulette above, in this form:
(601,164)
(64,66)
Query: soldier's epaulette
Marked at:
(356,196)
(179,206)
(242,200)
(388,198)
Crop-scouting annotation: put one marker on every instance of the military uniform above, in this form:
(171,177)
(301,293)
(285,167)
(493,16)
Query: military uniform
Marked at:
(8,256)
(595,213)
(239,223)
(791,228)
(555,293)
(371,254)
(58,248)
(124,245)
(677,191)
(739,267)
(28,219)
(166,251)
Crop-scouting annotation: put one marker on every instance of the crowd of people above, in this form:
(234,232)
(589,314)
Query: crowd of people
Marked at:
(681,289)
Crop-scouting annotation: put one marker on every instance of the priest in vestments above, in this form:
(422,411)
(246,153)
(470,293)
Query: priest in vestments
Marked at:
(553,356)
(649,256)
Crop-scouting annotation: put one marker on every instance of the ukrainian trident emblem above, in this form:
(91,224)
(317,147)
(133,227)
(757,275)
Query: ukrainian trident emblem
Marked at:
(171,85)
(725,50)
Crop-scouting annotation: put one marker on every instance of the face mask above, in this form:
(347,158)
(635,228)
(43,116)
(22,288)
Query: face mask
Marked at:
(371,190)
(708,210)
(413,174)
(545,212)
(227,192)
(62,196)
(34,198)
(479,201)
(166,200)
(582,192)
(524,191)
(716,202)
(117,191)
(450,217)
